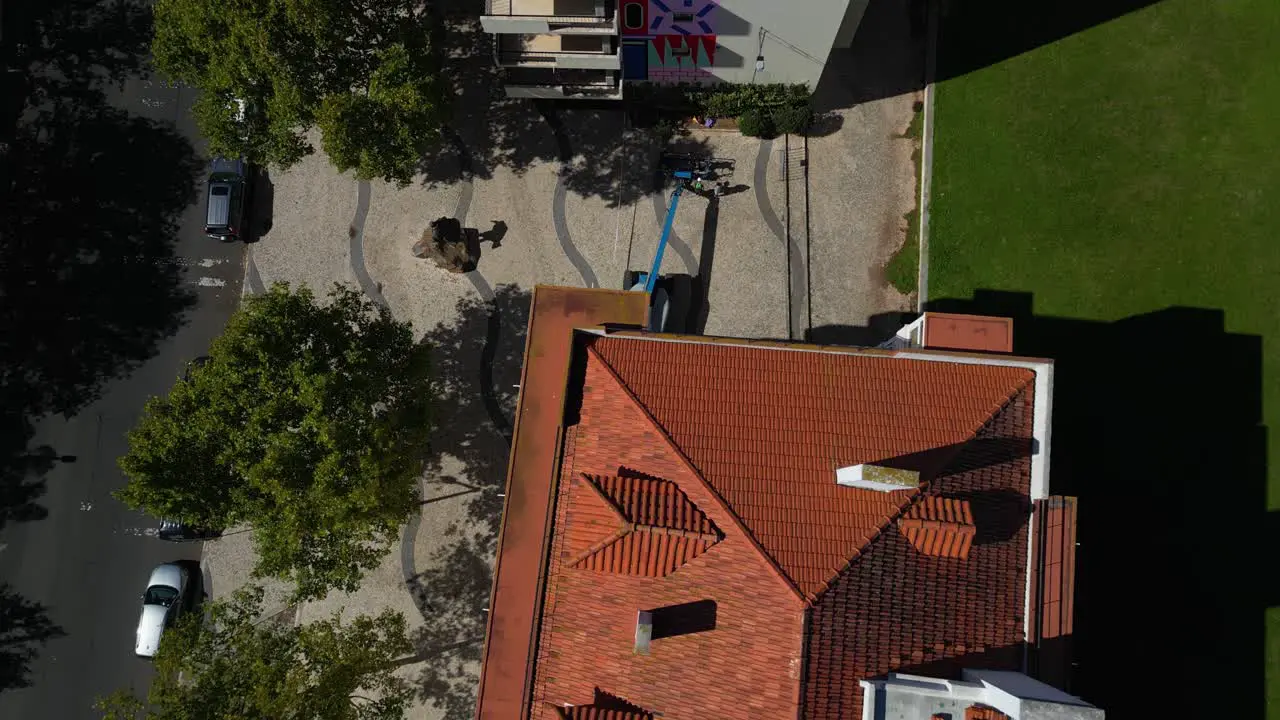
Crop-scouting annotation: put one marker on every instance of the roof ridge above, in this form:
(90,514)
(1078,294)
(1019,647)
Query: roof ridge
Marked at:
(612,537)
(677,532)
(922,492)
(715,495)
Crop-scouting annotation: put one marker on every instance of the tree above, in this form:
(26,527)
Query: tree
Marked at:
(308,422)
(365,73)
(233,663)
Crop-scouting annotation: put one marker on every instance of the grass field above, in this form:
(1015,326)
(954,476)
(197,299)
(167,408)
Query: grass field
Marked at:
(1115,171)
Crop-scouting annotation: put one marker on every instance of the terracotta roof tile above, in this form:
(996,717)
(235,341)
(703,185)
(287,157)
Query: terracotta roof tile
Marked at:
(587,635)
(531,485)
(590,712)
(605,707)
(936,615)
(767,428)
(647,526)
(645,551)
(654,502)
(672,438)
(939,526)
(592,521)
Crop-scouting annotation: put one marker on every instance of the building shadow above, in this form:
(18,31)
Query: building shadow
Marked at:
(1157,429)
(880,327)
(887,56)
(477,361)
(90,198)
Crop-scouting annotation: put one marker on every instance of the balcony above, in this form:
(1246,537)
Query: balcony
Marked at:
(565,52)
(554,17)
(549,82)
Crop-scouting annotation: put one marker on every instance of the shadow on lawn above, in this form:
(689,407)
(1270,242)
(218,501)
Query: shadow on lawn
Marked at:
(477,362)
(1157,429)
(491,130)
(887,56)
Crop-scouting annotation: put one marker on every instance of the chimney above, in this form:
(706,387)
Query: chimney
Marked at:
(644,631)
(877,477)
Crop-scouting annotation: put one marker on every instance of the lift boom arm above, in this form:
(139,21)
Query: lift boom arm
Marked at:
(666,230)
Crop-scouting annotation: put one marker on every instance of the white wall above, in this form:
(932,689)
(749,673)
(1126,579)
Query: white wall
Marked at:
(792,30)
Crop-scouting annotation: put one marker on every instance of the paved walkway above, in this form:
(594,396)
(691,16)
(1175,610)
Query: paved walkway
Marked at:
(570,199)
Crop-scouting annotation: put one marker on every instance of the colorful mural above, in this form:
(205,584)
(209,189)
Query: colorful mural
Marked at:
(678,35)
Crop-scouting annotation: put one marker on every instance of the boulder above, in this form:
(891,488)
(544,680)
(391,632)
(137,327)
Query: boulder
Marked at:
(445,244)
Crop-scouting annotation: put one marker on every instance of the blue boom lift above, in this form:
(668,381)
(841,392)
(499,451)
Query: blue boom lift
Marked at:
(660,298)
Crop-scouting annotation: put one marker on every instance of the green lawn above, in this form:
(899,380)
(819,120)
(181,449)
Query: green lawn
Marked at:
(1126,168)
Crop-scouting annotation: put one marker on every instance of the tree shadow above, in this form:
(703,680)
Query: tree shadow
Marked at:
(92,197)
(261,205)
(477,362)
(887,56)
(24,627)
(490,130)
(1157,429)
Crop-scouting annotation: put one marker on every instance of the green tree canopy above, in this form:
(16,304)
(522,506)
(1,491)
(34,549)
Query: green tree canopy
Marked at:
(307,422)
(233,664)
(365,73)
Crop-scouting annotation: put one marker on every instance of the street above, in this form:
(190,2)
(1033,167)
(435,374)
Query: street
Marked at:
(88,560)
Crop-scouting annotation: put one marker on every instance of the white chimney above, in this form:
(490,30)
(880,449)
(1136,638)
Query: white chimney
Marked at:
(877,477)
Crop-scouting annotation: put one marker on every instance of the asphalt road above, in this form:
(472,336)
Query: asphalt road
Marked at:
(89,559)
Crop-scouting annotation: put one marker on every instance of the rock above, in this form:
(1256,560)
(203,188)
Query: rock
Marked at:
(444,243)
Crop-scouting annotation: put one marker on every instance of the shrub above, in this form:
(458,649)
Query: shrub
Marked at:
(734,100)
(793,120)
(756,123)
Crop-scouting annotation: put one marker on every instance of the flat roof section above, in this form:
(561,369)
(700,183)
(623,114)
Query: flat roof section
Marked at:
(968,332)
(510,635)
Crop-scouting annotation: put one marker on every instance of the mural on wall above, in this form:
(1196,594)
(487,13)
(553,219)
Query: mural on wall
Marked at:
(668,40)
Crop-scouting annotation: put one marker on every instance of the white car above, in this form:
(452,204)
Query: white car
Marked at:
(161,604)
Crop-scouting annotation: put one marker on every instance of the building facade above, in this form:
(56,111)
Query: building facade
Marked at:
(590,49)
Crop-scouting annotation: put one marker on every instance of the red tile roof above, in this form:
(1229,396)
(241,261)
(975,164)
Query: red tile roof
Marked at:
(897,609)
(709,469)
(587,635)
(531,479)
(939,526)
(589,712)
(605,706)
(655,529)
(767,429)
(983,333)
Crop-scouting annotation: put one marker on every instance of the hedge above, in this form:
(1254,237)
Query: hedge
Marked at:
(756,123)
(721,100)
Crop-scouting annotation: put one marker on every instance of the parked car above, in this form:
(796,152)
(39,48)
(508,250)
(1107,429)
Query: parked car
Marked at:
(226,195)
(178,531)
(162,603)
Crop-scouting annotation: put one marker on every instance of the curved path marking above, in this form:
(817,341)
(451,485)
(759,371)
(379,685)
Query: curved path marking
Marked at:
(679,245)
(565,152)
(466,191)
(762,191)
(372,289)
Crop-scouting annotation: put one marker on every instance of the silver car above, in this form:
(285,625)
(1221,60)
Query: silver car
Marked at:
(161,604)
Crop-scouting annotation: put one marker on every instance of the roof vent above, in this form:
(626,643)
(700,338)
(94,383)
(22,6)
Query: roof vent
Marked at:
(877,477)
(644,631)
